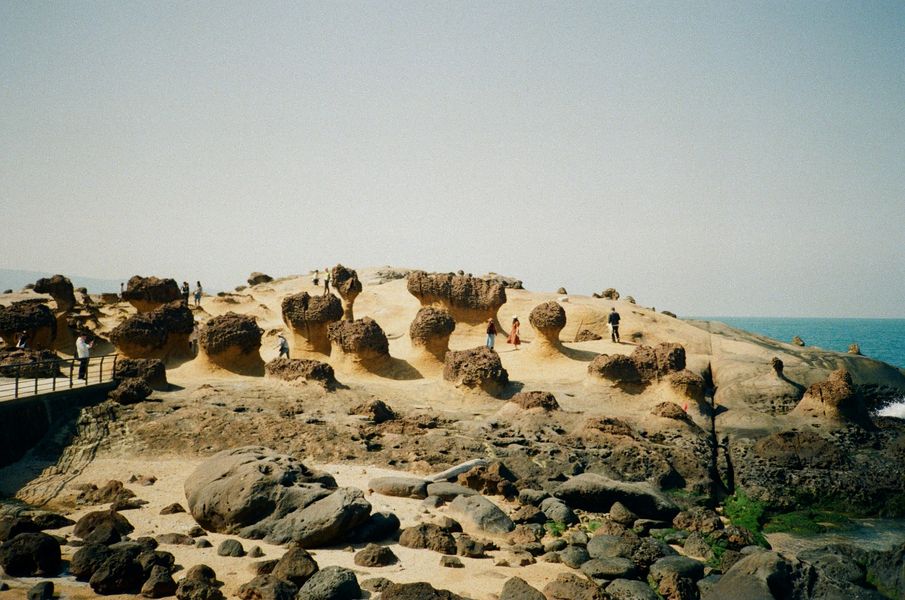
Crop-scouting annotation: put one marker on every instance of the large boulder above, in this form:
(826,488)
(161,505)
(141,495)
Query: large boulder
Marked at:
(478,369)
(618,368)
(257,278)
(162,333)
(308,317)
(645,365)
(60,289)
(481,514)
(345,281)
(34,319)
(25,362)
(430,331)
(256,493)
(331,583)
(469,300)
(834,401)
(294,369)
(233,342)
(547,319)
(30,554)
(149,293)
(362,341)
(762,576)
(151,370)
(416,591)
(597,493)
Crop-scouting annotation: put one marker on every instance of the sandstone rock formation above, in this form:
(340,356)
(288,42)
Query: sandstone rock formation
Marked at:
(547,319)
(162,333)
(345,281)
(257,278)
(468,299)
(233,342)
(477,369)
(293,369)
(646,364)
(60,289)
(149,293)
(777,365)
(151,370)
(308,318)
(28,363)
(586,335)
(834,401)
(536,401)
(256,493)
(796,340)
(610,294)
(361,342)
(430,331)
(687,384)
(33,318)
(854,349)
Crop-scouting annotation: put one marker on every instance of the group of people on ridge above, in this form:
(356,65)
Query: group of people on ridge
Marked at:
(514,338)
(186,293)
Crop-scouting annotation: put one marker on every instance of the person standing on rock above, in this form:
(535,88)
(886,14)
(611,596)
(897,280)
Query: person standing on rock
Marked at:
(185,292)
(613,321)
(83,352)
(491,333)
(317,277)
(514,338)
(326,281)
(283,346)
(198,292)
(22,341)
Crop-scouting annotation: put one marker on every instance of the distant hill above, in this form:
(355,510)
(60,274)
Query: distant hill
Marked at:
(14,279)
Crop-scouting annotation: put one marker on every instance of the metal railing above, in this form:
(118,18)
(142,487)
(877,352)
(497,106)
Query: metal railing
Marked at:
(33,378)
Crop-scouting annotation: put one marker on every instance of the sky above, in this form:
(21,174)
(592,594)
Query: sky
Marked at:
(709,158)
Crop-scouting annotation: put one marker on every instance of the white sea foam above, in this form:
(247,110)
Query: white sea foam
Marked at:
(894,409)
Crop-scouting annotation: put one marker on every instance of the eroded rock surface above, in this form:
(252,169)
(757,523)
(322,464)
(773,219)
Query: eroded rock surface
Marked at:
(308,317)
(149,293)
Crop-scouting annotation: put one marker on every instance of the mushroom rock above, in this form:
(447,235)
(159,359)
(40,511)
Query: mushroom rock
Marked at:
(854,349)
(345,281)
(468,299)
(797,341)
(477,368)
(646,365)
(777,365)
(430,331)
(233,342)
(610,294)
(687,385)
(617,368)
(60,289)
(162,333)
(149,293)
(547,319)
(361,342)
(257,277)
(294,369)
(34,318)
(834,401)
(308,317)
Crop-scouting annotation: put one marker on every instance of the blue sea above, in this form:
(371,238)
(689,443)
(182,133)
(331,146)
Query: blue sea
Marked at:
(882,339)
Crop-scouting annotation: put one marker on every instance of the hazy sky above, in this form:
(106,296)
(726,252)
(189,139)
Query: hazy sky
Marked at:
(727,158)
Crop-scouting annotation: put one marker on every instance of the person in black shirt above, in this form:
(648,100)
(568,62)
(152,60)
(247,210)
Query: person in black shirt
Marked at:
(613,321)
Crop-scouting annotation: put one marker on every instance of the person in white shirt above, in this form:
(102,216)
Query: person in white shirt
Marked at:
(83,352)
(283,347)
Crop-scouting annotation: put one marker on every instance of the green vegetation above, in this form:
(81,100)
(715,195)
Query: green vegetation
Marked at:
(555,528)
(819,517)
(806,522)
(746,512)
(593,526)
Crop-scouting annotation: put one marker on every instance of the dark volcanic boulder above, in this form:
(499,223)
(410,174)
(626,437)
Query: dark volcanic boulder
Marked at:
(148,293)
(257,493)
(26,362)
(430,330)
(428,536)
(416,591)
(130,391)
(362,340)
(296,565)
(834,401)
(345,281)
(119,574)
(764,575)
(548,319)
(151,370)
(292,369)
(34,318)
(60,289)
(258,278)
(597,493)
(331,583)
(308,317)
(162,333)
(468,299)
(267,587)
(93,521)
(88,559)
(233,342)
(30,554)
(478,368)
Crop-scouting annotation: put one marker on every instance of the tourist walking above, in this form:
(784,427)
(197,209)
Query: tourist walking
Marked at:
(185,292)
(283,346)
(491,333)
(514,338)
(317,277)
(22,340)
(326,281)
(83,352)
(613,321)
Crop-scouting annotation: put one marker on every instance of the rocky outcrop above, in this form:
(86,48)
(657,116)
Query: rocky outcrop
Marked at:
(618,368)
(257,278)
(797,341)
(256,493)
(308,318)
(834,401)
(687,384)
(233,342)
(610,294)
(162,333)
(469,300)
(645,365)
(130,391)
(596,493)
(854,349)
(34,319)
(361,342)
(28,363)
(294,369)
(149,293)
(586,335)
(60,289)
(345,281)
(430,331)
(547,319)
(536,401)
(151,370)
(476,369)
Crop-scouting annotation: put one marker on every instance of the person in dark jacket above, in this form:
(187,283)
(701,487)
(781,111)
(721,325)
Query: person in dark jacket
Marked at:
(613,321)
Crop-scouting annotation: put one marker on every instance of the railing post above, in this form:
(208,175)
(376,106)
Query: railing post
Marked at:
(55,365)
(113,372)
(37,372)
(100,375)
(16,390)
(71,365)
